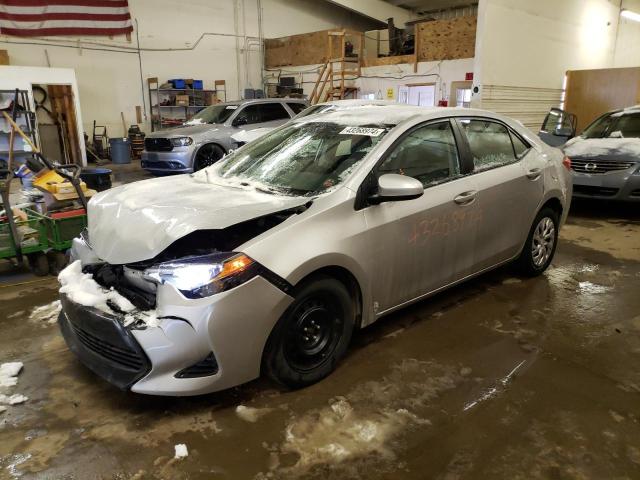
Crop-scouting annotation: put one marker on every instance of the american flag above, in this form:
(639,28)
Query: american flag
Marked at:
(28,18)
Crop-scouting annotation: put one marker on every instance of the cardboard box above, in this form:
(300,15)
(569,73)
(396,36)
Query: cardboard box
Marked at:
(182,100)
(211,98)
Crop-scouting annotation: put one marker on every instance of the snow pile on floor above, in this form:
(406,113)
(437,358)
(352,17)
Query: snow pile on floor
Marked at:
(251,414)
(46,313)
(9,378)
(9,373)
(81,288)
(181,450)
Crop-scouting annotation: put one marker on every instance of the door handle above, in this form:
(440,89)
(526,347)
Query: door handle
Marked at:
(534,173)
(466,198)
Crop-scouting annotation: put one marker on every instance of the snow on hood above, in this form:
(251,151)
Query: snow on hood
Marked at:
(186,130)
(137,221)
(596,147)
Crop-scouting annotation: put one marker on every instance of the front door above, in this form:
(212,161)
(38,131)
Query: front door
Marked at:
(420,245)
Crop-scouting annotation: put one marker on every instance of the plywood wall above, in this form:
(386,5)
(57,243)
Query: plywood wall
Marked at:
(304,49)
(590,93)
(446,39)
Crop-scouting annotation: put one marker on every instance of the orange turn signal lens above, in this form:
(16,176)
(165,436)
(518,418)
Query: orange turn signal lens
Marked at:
(234,265)
(566,161)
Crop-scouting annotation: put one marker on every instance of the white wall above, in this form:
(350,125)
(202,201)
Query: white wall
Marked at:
(628,45)
(109,81)
(524,48)
(378,79)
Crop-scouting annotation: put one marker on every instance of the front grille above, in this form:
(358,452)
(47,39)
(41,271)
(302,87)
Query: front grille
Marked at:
(585,165)
(595,191)
(165,165)
(158,145)
(635,193)
(120,355)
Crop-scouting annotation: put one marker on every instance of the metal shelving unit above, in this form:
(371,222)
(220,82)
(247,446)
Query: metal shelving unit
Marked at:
(166,115)
(23,115)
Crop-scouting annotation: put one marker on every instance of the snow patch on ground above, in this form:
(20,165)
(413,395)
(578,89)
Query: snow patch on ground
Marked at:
(366,422)
(81,288)
(14,399)
(181,450)
(251,414)
(46,313)
(9,373)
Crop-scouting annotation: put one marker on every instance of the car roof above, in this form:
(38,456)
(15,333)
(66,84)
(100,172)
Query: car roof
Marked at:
(264,100)
(393,114)
(357,102)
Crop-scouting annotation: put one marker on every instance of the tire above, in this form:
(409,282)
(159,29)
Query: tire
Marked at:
(39,264)
(313,334)
(207,156)
(541,244)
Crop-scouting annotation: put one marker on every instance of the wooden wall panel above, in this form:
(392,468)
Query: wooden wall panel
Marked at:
(446,39)
(4,57)
(295,50)
(590,93)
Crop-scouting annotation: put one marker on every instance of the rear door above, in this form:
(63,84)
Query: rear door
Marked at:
(273,114)
(420,245)
(509,175)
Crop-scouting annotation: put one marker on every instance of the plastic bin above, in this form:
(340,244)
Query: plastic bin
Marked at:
(120,150)
(178,83)
(198,84)
(98,179)
(37,241)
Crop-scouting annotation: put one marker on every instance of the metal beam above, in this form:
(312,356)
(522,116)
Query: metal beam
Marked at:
(376,9)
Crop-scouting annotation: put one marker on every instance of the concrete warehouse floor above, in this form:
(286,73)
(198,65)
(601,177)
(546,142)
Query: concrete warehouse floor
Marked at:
(498,378)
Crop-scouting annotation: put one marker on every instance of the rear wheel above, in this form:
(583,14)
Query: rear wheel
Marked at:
(207,156)
(57,261)
(312,335)
(541,243)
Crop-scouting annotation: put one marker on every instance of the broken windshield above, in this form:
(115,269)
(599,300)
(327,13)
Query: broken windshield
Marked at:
(302,159)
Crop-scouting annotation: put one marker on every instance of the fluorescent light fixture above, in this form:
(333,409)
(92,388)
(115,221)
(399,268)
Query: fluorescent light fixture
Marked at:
(630,15)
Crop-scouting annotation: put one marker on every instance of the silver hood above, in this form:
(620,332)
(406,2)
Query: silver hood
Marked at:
(136,222)
(192,130)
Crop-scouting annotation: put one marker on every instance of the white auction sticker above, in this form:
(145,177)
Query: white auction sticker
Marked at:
(369,132)
(231,107)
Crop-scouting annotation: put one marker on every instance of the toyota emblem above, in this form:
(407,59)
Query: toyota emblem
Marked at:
(590,167)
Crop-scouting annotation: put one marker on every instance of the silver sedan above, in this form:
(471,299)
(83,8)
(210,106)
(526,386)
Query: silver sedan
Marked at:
(269,260)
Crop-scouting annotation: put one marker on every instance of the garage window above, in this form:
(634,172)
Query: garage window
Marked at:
(490,143)
(428,154)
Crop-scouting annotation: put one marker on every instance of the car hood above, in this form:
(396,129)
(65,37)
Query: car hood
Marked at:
(611,148)
(191,130)
(136,222)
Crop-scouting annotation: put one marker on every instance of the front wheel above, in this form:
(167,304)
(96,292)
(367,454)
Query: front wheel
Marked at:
(207,156)
(541,244)
(312,335)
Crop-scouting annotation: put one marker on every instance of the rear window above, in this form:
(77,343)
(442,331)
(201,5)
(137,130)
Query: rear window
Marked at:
(297,107)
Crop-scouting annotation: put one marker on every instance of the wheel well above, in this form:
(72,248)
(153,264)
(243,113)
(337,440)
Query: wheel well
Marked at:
(345,277)
(555,205)
(211,143)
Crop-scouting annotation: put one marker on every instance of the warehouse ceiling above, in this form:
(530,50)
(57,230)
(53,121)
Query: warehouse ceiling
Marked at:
(422,6)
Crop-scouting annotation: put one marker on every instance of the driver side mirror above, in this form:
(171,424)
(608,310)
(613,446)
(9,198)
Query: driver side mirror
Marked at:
(241,120)
(393,187)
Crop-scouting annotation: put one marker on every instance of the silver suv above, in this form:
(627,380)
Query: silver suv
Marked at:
(206,137)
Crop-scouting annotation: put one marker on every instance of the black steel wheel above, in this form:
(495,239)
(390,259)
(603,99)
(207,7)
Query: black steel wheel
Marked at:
(207,156)
(312,335)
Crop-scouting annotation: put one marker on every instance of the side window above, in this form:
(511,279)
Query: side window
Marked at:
(296,108)
(428,154)
(519,146)
(490,143)
(272,111)
(248,115)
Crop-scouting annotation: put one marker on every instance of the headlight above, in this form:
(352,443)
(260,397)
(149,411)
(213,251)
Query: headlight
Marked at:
(199,277)
(181,141)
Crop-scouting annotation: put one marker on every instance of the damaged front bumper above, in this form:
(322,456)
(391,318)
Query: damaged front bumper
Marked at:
(199,346)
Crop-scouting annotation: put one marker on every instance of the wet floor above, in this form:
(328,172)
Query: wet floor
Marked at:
(500,378)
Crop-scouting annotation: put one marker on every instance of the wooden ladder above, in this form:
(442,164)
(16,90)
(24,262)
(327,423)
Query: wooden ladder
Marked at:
(337,71)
